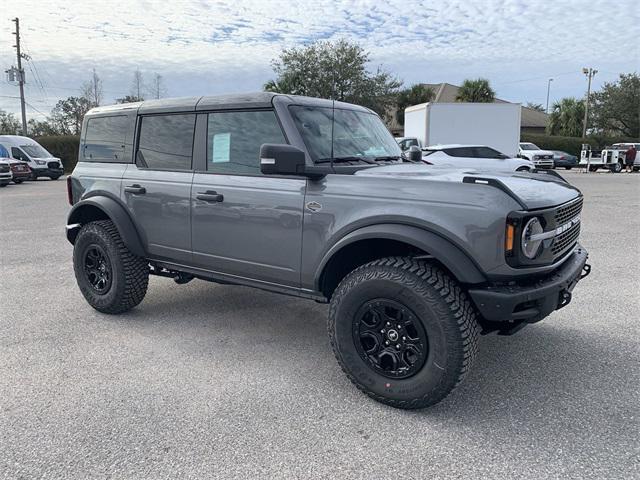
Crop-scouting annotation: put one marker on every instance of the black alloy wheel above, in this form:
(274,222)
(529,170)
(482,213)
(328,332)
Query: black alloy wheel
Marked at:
(390,338)
(97,268)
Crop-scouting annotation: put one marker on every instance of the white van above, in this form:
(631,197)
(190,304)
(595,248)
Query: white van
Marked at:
(41,162)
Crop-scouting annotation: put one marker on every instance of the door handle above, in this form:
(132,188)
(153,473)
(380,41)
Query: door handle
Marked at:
(210,196)
(135,189)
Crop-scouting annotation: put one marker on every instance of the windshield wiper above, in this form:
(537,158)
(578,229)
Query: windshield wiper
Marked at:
(353,158)
(389,157)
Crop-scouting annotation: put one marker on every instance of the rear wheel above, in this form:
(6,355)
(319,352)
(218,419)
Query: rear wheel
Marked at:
(55,177)
(111,278)
(17,181)
(403,331)
(568,168)
(593,169)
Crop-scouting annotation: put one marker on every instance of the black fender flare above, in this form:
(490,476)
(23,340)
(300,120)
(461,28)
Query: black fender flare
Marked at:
(441,249)
(115,212)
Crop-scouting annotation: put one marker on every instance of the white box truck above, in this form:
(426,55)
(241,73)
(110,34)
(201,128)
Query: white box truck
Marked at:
(495,125)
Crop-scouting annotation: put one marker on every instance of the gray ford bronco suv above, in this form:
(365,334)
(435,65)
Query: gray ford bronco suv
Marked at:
(314,198)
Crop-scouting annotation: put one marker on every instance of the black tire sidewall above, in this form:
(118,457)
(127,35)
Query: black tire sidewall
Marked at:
(95,234)
(432,379)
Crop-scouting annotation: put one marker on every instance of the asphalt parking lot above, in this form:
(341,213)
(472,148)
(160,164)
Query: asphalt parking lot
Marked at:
(209,381)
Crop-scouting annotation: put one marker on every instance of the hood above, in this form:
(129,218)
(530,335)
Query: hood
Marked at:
(532,190)
(538,152)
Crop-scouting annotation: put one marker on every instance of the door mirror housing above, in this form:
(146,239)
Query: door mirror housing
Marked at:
(414,153)
(281,160)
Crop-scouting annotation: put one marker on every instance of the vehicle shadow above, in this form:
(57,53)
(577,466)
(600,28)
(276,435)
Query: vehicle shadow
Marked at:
(545,364)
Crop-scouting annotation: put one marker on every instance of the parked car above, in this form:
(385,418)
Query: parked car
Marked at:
(5,172)
(20,170)
(564,160)
(533,153)
(40,162)
(415,261)
(479,157)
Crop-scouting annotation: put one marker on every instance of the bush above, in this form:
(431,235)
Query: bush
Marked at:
(65,147)
(571,145)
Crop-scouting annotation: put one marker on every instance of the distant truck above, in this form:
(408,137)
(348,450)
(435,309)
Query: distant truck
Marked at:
(612,158)
(496,125)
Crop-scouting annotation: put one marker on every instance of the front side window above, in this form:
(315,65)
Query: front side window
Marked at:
(3,152)
(104,138)
(343,133)
(19,154)
(166,142)
(234,140)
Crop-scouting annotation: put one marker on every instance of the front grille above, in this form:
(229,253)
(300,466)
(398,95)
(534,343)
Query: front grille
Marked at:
(569,237)
(568,212)
(53,165)
(565,240)
(4,168)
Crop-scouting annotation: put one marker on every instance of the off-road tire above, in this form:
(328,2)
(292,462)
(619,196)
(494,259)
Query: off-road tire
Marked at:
(130,273)
(616,167)
(442,307)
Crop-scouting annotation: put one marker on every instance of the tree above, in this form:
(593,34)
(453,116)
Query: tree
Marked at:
(38,128)
(9,124)
(335,70)
(477,90)
(92,90)
(413,95)
(535,106)
(67,115)
(566,118)
(129,99)
(157,88)
(137,85)
(616,107)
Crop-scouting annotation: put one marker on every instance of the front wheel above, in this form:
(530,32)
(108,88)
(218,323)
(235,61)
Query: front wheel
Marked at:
(111,278)
(17,181)
(568,168)
(403,331)
(616,167)
(523,169)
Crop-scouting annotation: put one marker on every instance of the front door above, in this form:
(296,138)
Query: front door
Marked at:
(157,188)
(245,224)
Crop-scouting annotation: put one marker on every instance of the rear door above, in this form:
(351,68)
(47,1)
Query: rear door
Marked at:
(245,224)
(157,188)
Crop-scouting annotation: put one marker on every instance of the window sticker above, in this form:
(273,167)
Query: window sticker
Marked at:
(220,148)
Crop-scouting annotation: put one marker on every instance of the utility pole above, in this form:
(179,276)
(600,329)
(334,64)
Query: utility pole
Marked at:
(20,76)
(589,72)
(548,88)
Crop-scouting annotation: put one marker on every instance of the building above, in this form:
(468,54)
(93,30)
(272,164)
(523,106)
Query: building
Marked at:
(531,121)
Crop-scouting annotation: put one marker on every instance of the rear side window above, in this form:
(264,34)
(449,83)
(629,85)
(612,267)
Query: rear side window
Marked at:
(459,152)
(104,139)
(166,142)
(234,140)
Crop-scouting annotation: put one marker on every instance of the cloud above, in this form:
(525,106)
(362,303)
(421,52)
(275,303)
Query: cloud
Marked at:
(218,46)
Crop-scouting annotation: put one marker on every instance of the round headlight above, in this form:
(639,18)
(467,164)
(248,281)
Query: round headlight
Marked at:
(530,248)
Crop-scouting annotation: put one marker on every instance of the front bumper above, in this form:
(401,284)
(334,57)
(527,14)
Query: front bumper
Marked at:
(47,172)
(522,303)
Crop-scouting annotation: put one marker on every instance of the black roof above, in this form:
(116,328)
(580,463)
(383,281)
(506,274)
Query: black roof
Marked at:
(217,102)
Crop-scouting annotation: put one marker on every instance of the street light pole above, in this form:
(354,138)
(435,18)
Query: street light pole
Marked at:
(548,88)
(589,72)
(20,76)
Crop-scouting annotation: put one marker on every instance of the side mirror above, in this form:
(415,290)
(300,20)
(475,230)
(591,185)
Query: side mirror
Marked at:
(281,160)
(414,154)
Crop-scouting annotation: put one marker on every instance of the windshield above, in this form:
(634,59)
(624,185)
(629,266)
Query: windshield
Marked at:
(528,146)
(355,134)
(35,151)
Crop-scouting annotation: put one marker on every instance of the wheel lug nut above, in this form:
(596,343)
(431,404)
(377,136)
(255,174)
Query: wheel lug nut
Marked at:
(388,324)
(404,338)
(386,343)
(382,331)
(398,346)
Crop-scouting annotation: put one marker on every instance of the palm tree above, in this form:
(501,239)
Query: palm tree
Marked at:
(477,90)
(566,118)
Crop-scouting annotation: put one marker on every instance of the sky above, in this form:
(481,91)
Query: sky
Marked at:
(215,47)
